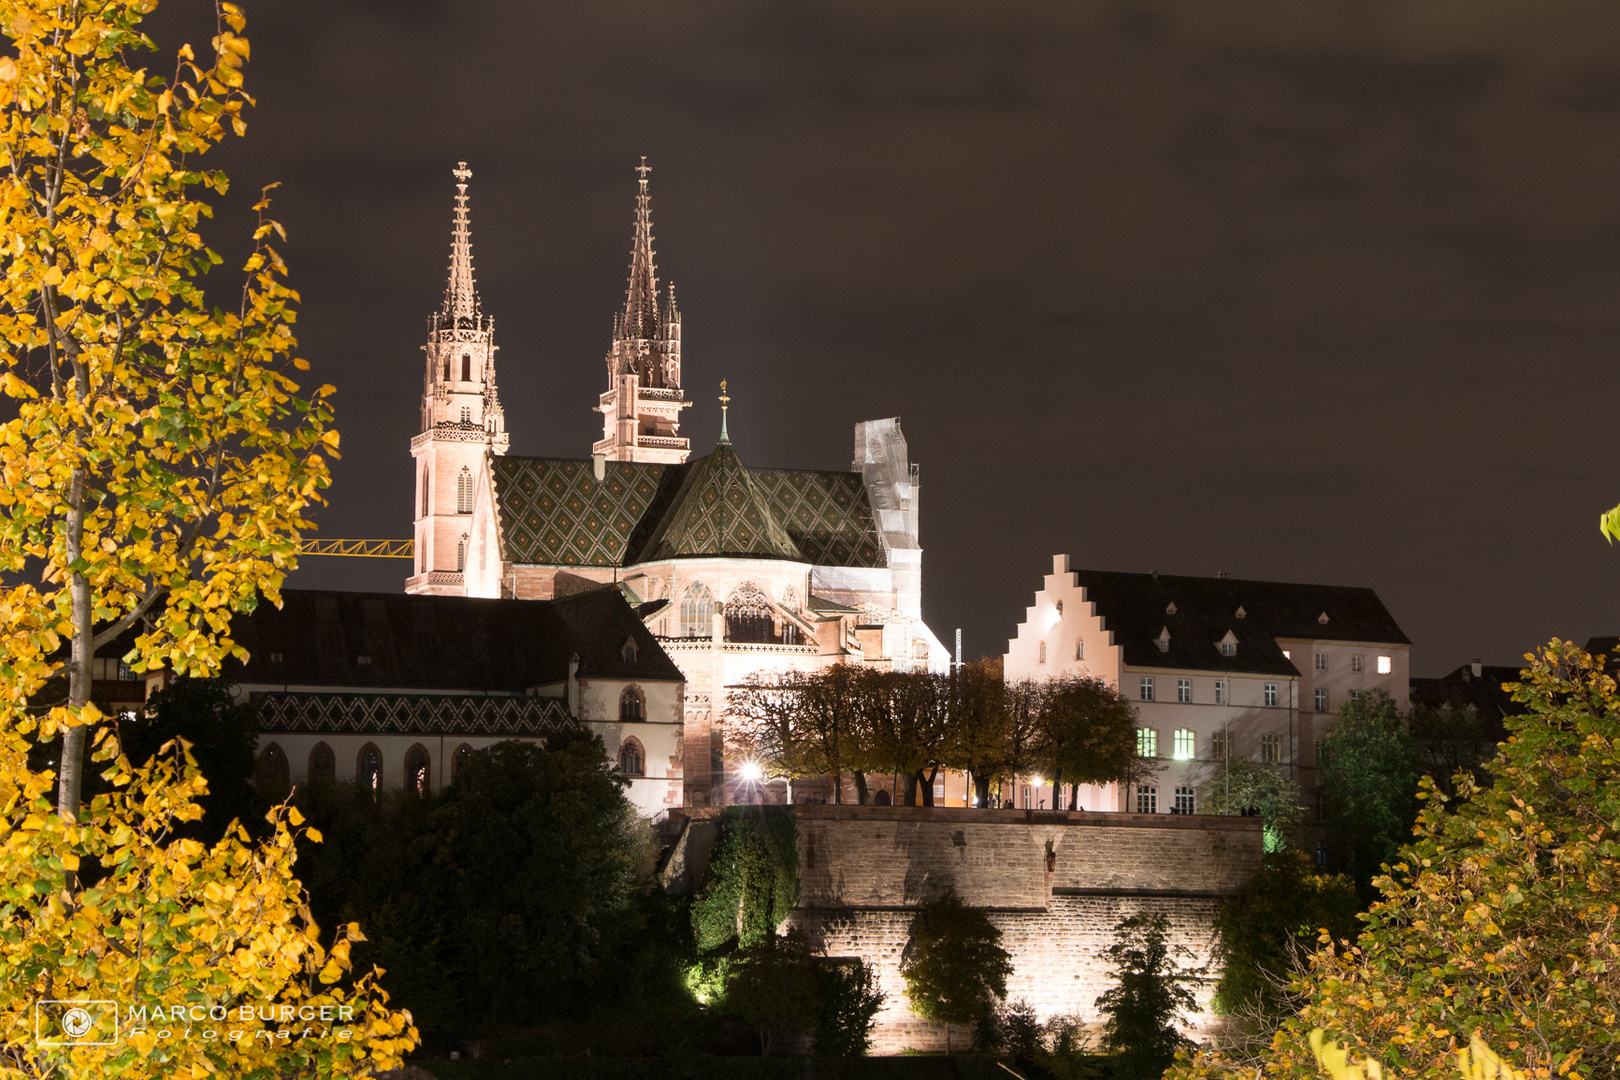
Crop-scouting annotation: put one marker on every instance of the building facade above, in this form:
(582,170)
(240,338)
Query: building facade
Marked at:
(740,571)
(393,690)
(1214,666)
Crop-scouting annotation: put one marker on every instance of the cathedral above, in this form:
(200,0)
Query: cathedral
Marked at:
(737,571)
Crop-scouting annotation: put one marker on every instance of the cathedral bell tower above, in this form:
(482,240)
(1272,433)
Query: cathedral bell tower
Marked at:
(461,419)
(641,411)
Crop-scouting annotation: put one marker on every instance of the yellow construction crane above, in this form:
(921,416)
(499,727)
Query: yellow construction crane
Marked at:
(371,549)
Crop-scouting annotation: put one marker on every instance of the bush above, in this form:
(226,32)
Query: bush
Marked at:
(954,966)
(848,1005)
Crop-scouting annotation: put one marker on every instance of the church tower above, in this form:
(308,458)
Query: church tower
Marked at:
(461,418)
(641,411)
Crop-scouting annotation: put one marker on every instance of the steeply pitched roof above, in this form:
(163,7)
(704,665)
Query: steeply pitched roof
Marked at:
(1137,608)
(720,511)
(352,639)
(553,511)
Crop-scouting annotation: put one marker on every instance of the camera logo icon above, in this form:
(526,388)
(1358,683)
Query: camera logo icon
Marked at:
(76,1023)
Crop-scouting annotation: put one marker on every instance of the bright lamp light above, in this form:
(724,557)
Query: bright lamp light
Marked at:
(751,772)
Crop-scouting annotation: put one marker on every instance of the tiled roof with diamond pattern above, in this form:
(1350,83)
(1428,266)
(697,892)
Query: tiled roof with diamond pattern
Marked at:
(720,511)
(552,511)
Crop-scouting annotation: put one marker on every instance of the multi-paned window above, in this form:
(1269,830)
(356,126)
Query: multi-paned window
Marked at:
(1228,648)
(1147,800)
(1184,800)
(1220,691)
(1271,693)
(1270,747)
(1219,745)
(1184,691)
(1357,663)
(1186,744)
(1147,742)
(1321,700)
(1321,661)
(1147,688)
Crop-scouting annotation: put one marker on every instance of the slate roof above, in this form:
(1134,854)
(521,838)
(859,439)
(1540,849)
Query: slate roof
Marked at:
(1136,609)
(1462,688)
(414,642)
(553,511)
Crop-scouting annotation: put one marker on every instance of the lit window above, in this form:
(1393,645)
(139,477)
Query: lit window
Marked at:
(1321,661)
(1184,800)
(1228,648)
(1184,691)
(1147,688)
(1287,655)
(1184,745)
(1147,800)
(1219,745)
(1270,747)
(1383,665)
(1321,853)
(1357,663)
(1079,650)
(1271,693)
(1220,691)
(1041,654)
(1147,742)
(697,611)
(1321,701)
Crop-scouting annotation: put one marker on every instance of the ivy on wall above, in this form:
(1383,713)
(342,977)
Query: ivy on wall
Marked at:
(752,880)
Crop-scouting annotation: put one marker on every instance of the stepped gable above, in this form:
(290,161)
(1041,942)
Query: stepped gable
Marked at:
(553,511)
(720,511)
(1136,609)
(827,514)
(405,642)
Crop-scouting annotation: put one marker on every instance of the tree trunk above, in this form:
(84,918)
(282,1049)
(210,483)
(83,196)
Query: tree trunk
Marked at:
(981,790)
(70,780)
(838,788)
(860,787)
(1057,788)
(924,788)
(1074,796)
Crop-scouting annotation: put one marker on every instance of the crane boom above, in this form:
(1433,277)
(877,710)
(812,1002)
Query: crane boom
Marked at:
(373,549)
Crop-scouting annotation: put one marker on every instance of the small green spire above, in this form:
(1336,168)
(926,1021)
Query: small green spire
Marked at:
(725,400)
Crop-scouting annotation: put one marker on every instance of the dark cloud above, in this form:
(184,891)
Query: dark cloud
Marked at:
(1317,292)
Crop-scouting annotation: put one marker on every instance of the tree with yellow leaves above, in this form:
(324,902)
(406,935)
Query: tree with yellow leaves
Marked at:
(156,464)
(160,461)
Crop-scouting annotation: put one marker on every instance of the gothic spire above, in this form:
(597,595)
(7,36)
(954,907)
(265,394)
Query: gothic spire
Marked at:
(641,303)
(460,294)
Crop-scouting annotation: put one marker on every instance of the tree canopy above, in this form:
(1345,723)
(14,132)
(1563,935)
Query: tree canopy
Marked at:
(954,965)
(1499,916)
(1368,783)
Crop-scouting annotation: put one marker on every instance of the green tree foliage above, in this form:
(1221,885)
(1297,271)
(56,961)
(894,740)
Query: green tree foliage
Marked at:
(752,880)
(1369,784)
(953,963)
(1151,997)
(848,1003)
(774,984)
(1238,786)
(1500,915)
(1263,938)
(510,898)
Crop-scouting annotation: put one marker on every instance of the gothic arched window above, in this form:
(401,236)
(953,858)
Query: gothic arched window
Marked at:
(322,764)
(272,774)
(463,752)
(1042,658)
(632,706)
(461,553)
(630,758)
(464,491)
(416,769)
(748,615)
(466,367)
(368,768)
(697,611)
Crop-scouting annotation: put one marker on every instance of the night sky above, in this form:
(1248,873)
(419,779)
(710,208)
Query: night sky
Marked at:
(1322,292)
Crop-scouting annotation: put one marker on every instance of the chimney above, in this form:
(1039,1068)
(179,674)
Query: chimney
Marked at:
(599,466)
(1478,668)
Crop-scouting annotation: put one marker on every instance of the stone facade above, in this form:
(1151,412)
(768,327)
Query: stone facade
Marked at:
(1055,884)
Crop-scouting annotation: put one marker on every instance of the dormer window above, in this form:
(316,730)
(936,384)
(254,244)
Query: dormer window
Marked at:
(1164,640)
(1322,618)
(629,651)
(1240,613)
(1229,644)
(1171,608)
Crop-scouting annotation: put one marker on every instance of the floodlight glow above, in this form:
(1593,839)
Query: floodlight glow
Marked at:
(1036,781)
(751,772)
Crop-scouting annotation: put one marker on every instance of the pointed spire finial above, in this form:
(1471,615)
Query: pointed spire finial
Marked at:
(460,294)
(641,302)
(725,402)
